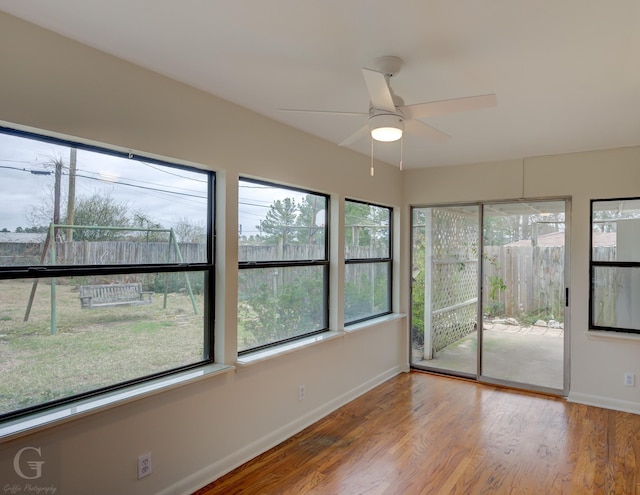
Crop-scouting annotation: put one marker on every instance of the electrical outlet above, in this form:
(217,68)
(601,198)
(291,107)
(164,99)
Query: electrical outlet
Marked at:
(629,379)
(302,392)
(144,465)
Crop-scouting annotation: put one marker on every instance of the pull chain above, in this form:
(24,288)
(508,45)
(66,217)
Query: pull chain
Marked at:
(372,170)
(401,150)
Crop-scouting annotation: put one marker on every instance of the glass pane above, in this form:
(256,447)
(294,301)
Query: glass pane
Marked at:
(366,290)
(616,230)
(115,210)
(276,304)
(616,291)
(523,297)
(85,333)
(444,305)
(280,224)
(366,231)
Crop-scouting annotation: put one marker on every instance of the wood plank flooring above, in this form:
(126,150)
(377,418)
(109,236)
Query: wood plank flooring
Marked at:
(426,434)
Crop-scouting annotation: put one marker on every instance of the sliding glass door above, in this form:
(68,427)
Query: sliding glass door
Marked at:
(524,295)
(489,293)
(445,271)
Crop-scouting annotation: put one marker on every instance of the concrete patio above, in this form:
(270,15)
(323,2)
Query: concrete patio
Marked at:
(530,355)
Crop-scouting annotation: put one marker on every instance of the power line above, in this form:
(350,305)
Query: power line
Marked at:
(170,173)
(120,183)
(116,179)
(34,172)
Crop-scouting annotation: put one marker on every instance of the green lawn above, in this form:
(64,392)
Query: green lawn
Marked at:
(92,348)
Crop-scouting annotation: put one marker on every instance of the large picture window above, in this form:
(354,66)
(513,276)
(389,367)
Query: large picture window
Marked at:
(367,284)
(106,270)
(283,284)
(615,265)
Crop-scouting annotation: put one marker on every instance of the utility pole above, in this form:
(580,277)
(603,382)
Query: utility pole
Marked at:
(56,195)
(71,201)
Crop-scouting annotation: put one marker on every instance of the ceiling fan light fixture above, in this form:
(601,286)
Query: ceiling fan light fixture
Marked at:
(386,127)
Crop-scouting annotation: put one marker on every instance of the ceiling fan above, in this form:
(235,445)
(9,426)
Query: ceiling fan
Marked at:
(389,117)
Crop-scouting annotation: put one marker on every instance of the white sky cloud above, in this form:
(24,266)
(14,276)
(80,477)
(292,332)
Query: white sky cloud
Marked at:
(164,194)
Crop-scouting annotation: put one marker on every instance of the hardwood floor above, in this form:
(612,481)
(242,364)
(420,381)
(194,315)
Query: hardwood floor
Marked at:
(426,434)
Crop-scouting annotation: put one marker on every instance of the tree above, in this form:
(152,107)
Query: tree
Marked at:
(36,229)
(356,217)
(310,222)
(100,210)
(189,232)
(277,227)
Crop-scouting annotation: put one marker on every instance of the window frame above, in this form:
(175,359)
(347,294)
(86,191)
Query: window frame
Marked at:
(610,264)
(377,260)
(324,263)
(46,272)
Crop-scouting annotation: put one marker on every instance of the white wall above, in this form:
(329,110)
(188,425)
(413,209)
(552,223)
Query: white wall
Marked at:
(597,363)
(198,431)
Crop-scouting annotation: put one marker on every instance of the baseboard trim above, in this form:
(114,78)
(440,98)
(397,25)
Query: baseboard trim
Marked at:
(604,402)
(214,471)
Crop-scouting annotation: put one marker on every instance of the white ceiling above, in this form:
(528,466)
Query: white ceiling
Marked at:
(566,72)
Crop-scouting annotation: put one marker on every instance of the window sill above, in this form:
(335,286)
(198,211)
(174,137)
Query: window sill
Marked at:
(280,350)
(611,335)
(374,322)
(58,415)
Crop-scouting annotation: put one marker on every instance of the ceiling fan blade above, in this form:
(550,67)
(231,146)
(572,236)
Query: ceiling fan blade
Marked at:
(379,91)
(426,131)
(433,108)
(322,112)
(360,133)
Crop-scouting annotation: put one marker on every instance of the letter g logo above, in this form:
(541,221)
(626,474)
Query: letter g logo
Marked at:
(34,466)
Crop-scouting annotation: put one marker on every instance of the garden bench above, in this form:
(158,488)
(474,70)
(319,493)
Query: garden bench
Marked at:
(99,296)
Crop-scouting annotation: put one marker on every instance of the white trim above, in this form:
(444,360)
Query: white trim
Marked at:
(57,415)
(363,325)
(611,335)
(219,468)
(282,349)
(605,402)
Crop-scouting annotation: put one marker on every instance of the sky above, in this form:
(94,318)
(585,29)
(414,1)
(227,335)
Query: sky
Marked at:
(165,194)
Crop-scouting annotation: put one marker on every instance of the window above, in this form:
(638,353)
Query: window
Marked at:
(106,270)
(367,252)
(615,265)
(283,284)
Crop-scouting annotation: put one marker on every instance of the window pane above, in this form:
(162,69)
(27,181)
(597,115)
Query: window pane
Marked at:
(85,333)
(275,304)
(366,290)
(616,291)
(123,210)
(366,231)
(280,224)
(616,230)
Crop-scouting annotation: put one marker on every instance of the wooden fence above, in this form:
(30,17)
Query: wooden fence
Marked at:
(102,253)
(533,277)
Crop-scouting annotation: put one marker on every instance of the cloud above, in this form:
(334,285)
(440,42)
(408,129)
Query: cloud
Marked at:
(162,193)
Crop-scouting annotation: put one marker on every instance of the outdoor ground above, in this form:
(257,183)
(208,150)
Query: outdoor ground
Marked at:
(532,355)
(91,348)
